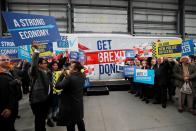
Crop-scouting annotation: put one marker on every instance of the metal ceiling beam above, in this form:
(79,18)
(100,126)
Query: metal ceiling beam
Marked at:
(99,6)
(70,17)
(34,3)
(130,17)
(2,23)
(181,18)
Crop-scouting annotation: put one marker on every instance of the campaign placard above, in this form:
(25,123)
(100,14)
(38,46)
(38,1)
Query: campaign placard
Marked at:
(24,52)
(144,76)
(187,48)
(8,47)
(170,48)
(74,55)
(69,43)
(128,71)
(129,54)
(46,50)
(25,28)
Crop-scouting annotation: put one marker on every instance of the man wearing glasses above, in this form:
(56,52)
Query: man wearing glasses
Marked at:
(40,89)
(8,99)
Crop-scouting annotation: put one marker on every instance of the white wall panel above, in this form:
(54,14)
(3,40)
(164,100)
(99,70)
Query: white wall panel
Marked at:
(46,13)
(102,2)
(190,24)
(157,16)
(102,28)
(100,20)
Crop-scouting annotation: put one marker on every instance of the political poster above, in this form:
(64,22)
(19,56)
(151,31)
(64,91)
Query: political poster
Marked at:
(69,43)
(8,47)
(128,71)
(129,54)
(24,52)
(171,48)
(46,50)
(144,76)
(25,28)
(81,57)
(74,55)
(187,48)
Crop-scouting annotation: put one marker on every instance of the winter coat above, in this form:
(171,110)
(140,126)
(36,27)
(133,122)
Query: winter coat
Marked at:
(178,75)
(71,105)
(9,93)
(40,82)
(161,74)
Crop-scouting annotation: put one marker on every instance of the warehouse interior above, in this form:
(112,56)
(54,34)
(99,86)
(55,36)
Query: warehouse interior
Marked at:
(135,17)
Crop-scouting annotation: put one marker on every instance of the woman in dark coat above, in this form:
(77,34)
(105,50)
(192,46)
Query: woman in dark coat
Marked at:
(71,106)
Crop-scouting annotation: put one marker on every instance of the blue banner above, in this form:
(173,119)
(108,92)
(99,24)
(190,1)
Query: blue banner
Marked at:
(24,52)
(187,48)
(63,43)
(8,47)
(81,56)
(25,28)
(128,71)
(144,76)
(129,54)
(74,55)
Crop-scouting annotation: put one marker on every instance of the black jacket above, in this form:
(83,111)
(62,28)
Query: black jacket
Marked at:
(40,82)
(162,73)
(71,105)
(8,92)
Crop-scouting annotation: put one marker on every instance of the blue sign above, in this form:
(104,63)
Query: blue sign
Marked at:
(24,52)
(128,71)
(74,55)
(25,28)
(129,54)
(81,56)
(144,76)
(8,47)
(187,48)
(63,43)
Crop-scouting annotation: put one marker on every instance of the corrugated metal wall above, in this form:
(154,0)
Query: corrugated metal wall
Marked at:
(150,17)
(105,18)
(155,17)
(43,7)
(190,19)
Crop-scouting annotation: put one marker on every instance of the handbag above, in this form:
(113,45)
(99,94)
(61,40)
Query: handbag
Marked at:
(186,88)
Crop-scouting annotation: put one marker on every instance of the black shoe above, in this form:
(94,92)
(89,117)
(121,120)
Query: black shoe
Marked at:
(144,99)
(137,95)
(156,102)
(147,101)
(54,119)
(164,105)
(50,123)
(17,117)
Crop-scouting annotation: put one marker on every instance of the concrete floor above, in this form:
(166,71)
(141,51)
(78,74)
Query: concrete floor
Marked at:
(120,111)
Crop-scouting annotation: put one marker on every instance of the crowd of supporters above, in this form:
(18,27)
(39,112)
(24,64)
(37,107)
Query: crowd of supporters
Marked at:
(173,77)
(56,88)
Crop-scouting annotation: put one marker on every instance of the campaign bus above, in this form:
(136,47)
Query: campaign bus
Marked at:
(105,54)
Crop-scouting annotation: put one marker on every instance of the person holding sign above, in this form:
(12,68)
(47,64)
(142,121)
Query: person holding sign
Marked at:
(185,76)
(40,89)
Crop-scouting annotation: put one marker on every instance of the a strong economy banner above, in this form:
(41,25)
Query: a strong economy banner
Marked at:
(8,47)
(25,28)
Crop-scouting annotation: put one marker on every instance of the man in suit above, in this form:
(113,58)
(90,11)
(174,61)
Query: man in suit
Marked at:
(161,81)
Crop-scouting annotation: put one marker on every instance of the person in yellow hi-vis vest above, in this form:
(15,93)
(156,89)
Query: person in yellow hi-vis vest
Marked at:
(55,97)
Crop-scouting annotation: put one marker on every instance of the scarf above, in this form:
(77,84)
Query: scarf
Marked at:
(185,70)
(4,70)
